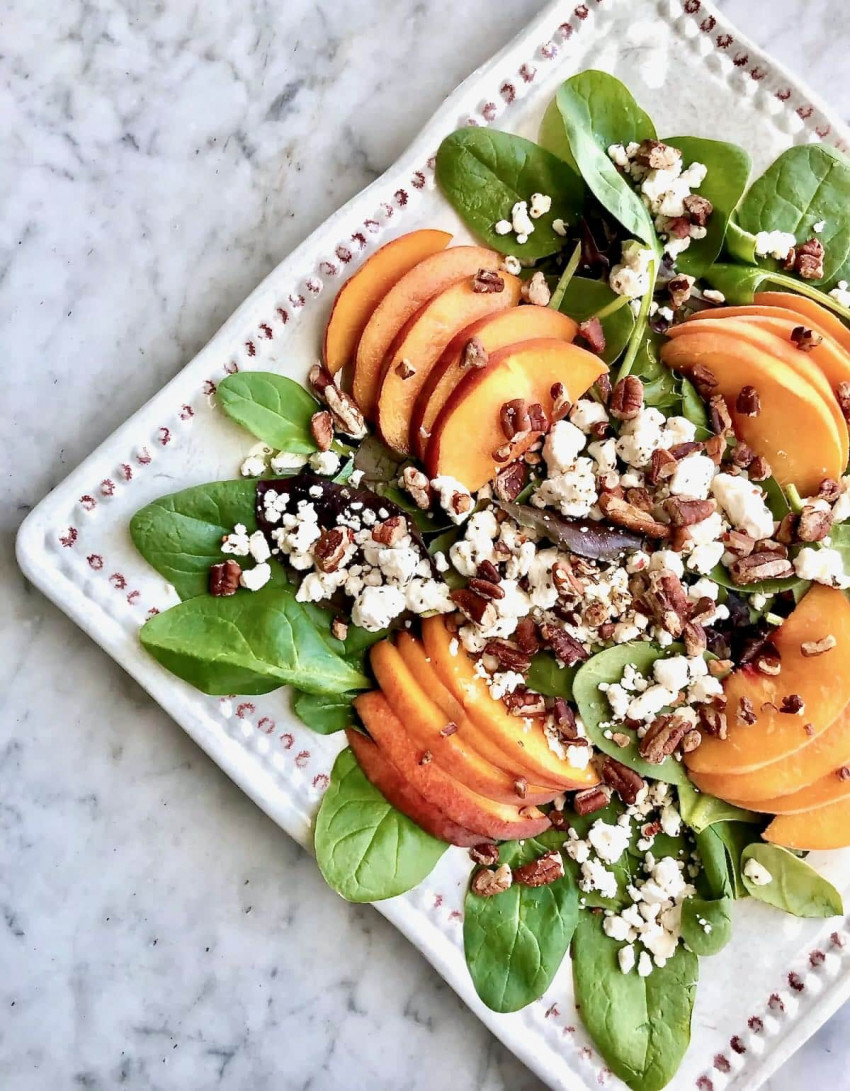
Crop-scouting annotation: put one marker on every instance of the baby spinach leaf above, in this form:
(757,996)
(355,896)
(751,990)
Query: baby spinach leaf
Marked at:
(514,942)
(597,111)
(660,387)
(608,666)
(795,886)
(366,849)
(725,181)
(180,535)
(739,283)
(546,677)
(248,644)
(693,407)
(273,408)
(807,184)
(707,924)
(484,172)
(640,1025)
(720,847)
(700,810)
(553,136)
(323,714)
(585,298)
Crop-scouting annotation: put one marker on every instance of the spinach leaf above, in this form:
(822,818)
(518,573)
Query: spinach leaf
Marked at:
(324,714)
(720,847)
(585,298)
(707,924)
(546,677)
(795,886)
(608,666)
(640,1025)
(514,942)
(553,136)
(700,810)
(693,407)
(273,408)
(739,283)
(180,535)
(726,179)
(249,644)
(597,111)
(660,385)
(366,849)
(806,184)
(484,172)
(382,469)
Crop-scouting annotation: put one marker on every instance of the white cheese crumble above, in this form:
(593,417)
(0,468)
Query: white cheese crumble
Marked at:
(757,873)
(822,565)
(744,505)
(774,244)
(447,488)
(326,463)
(631,276)
(255,578)
(539,205)
(841,293)
(692,477)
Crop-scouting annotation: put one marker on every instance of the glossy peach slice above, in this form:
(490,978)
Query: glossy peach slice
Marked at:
(809,311)
(459,803)
(426,725)
(835,785)
(796,429)
(496,331)
(401,303)
(361,293)
(468,430)
(826,827)
(508,733)
(421,344)
(396,790)
(822,682)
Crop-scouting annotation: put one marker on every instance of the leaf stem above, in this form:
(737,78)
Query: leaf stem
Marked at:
(640,326)
(615,305)
(824,298)
(567,275)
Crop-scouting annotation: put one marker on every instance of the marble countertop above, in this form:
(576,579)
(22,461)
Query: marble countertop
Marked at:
(156,930)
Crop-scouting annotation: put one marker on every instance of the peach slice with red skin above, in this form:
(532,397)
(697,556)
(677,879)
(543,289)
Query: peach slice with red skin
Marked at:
(426,725)
(796,429)
(826,827)
(402,301)
(509,734)
(468,429)
(459,803)
(819,681)
(362,292)
(809,311)
(421,344)
(496,331)
(396,790)
(785,777)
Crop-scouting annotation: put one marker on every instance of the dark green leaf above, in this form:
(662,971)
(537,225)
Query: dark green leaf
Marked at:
(693,407)
(514,942)
(700,810)
(365,848)
(660,385)
(325,714)
(484,172)
(640,1025)
(720,847)
(274,409)
(739,283)
(584,298)
(795,886)
(707,924)
(546,677)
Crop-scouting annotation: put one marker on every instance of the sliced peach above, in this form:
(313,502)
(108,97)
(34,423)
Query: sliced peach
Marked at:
(821,682)
(496,331)
(421,344)
(809,311)
(785,777)
(396,790)
(508,733)
(401,302)
(468,429)
(828,789)
(796,429)
(826,827)
(414,655)
(459,803)
(426,725)
(361,293)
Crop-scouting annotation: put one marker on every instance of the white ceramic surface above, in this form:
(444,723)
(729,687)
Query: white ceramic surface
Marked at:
(75,546)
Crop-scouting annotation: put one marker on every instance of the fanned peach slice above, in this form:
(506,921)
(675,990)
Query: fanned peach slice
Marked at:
(401,303)
(810,311)
(826,827)
(509,733)
(459,803)
(421,344)
(361,293)
(426,725)
(796,429)
(496,331)
(396,790)
(785,777)
(834,786)
(468,429)
(821,682)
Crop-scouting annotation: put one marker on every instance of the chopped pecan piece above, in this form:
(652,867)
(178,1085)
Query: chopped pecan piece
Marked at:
(746,712)
(514,418)
(486,883)
(346,415)
(319,379)
(339,628)
(427,758)
(525,703)
(486,570)
(565,647)
(842,393)
(667,601)
(640,498)
(769,664)
(787,528)
(698,208)
(713,721)
(718,412)
(684,512)
(449,729)
(682,450)
(739,543)
(478,610)
(558,820)
(760,566)
(811,648)
(485,853)
(322,429)
(521,787)
(536,291)
(486,589)
(525,634)
(419,487)
(590,800)
(808,259)
(657,155)
(620,739)
(565,720)
(693,634)
(793,705)
(487,282)
(561,404)
(742,455)
(805,339)
(510,657)
(626,398)
(404,369)
(602,386)
(719,668)
(814,524)
(474,354)
(843,773)
(829,490)
(538,420)
(626,782)
(542,871)
(592,334)
(714,448)
(662,466)
(622,514)
(566,582)
(662,738)
(760,469)
(748,402)
(511,481)
(703,379)
(680,290)
(690,741)
(332,548)
(224,578)
(391,531)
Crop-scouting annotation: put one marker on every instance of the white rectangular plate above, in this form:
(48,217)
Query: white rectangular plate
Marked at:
(694,74)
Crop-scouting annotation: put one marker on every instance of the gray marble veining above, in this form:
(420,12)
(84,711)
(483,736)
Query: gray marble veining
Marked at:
(158,159)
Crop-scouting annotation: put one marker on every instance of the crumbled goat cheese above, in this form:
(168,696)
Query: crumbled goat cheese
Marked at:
(677,430)
(671,821)
(238,542)
(649,703)
(713,296)
(703,558)
(510,263)
(841,293)
(253,466)
(539,205)
(476,545)
(693,477)
(644,966)
(841,507)
(259,547)
(503,227)
(757,873)
(744,505)
(640,436)
(559,227)
(255,578)
(586,413)
(573,493)
(671,673)
(376,607)
(521,221)
(326,463)
(626,958)
(562,446)
(447,488)
(631,277)
(704,690)
(707,530)
(774,244)
(819,226)
(822,565)
(608,841)
(667,560)
(595,876)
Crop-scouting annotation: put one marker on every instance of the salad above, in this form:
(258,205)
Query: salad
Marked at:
(558,535)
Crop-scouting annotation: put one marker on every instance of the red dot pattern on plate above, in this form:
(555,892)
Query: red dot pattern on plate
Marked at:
(721,1064)
(68,538)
